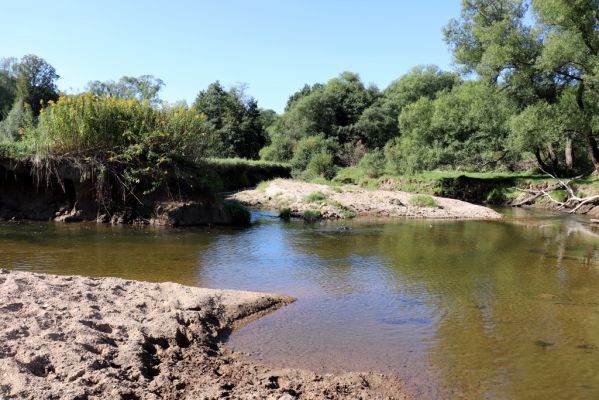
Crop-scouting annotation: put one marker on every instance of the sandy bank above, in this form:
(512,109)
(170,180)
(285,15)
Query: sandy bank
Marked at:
(295,195)
(72,337)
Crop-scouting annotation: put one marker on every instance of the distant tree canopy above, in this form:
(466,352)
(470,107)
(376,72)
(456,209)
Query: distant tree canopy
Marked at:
(235,120)
(142,88)
(30,80)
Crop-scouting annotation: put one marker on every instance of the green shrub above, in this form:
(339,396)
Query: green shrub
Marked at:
(345,211)
(373,164)
(496,196)
(311,216)
(285,214)
(315,196)
(238,212)
(321,165)
(279,150)
(314,153)
(423,200)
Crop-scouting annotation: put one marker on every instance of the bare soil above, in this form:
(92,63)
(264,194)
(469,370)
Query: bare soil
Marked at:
(72,337)
(340,202)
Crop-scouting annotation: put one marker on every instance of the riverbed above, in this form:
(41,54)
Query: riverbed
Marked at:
(503,309)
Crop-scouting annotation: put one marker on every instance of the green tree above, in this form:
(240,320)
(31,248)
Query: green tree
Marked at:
(35,82)
(142,88)
(235,120)
(538,62)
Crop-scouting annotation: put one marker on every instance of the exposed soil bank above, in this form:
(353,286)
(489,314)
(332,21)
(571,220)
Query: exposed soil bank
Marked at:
(72,337)
(68,191)
(339,202)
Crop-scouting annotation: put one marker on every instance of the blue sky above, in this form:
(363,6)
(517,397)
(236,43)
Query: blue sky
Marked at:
(273,46)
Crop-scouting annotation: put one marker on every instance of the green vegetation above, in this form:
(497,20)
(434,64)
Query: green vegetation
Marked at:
(239,214)
(311,216)
(285,214)
(315,196)
(423,200)
(345,211)
(524,97)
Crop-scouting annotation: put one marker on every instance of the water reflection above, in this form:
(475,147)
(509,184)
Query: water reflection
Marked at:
(498,310)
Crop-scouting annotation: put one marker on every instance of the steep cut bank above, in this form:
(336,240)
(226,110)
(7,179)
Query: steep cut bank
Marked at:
(302,198)
(73,337)
(72,190)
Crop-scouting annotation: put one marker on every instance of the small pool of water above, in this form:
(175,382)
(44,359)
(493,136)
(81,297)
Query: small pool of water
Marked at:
(460,309)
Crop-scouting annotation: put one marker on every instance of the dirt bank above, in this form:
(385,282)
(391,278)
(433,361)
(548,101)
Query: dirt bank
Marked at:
(351,200)
(72,337)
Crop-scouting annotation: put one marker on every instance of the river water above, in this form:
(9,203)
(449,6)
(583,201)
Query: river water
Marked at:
(459,309)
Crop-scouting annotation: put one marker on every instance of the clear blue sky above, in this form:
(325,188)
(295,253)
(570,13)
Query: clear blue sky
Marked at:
(275,46)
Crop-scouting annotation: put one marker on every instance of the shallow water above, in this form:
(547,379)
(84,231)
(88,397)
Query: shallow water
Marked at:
(488,309)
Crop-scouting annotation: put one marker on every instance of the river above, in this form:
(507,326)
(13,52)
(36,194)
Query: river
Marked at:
(459,309)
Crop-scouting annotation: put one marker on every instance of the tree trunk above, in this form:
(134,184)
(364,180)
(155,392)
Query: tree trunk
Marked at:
(593,150)
(540,160)
(568,154)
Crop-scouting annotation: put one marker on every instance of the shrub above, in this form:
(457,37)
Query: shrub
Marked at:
(239,214)
(17,122)
(285,214)
(373,164)
(423,200)
(315,196)
(311,216)
(496,196)
(321,165)
(314,156)
(279,150)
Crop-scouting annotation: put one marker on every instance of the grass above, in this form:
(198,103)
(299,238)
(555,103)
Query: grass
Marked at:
(423,200)
(315,196)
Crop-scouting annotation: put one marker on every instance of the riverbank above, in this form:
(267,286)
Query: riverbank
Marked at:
(73,190)
(331,202)
(109,338)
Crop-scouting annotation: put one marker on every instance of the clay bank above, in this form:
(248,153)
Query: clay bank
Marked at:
(72,337)
(323,201)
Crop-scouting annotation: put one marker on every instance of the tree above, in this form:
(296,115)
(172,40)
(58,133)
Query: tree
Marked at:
(8,85)
(235,121)
(557,54)
(142,88)
(378,123)
(35,82)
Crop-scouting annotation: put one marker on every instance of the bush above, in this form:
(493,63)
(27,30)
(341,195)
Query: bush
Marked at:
(285,214)
(239,214)
(423,200)
(314,157)
(17,123)
(496,196)
(315,196)
(321,165)
(311,216)
(279,150)
(373,164)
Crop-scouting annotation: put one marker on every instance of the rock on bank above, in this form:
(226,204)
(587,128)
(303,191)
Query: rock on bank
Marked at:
(73,337)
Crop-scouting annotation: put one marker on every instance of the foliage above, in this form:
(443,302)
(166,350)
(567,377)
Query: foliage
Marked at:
(18,121)
(239,214)
(311,216)
(423,200)
(234,119)
(35,82)
(373,164)
(314,157)
(285,214)
(143,88)
(315,196)
(280,149)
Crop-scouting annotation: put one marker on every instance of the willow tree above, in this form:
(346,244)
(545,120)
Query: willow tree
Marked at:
(539,51)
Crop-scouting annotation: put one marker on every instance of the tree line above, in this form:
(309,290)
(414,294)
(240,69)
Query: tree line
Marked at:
(524,94)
